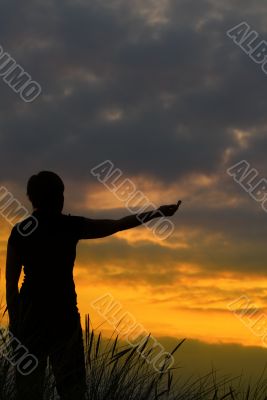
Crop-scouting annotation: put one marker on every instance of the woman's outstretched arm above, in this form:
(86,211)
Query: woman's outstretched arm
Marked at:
(132,221)
(97,228)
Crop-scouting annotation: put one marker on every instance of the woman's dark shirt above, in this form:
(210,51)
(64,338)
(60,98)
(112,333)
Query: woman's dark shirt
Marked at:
(48,256)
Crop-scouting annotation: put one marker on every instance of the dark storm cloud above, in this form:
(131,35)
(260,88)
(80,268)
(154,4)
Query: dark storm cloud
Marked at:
(214,87)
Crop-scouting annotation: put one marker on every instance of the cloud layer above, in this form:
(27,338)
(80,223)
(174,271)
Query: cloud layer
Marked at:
(161,90)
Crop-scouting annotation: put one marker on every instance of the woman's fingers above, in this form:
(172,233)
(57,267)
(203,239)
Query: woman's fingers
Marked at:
(170,209)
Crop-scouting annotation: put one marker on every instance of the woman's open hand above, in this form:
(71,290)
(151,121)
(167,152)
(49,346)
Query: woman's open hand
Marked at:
(169,210)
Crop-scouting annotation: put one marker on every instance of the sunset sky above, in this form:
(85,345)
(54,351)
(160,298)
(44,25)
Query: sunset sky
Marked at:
(158,88)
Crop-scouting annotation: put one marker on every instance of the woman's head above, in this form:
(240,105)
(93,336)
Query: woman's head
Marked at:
(46,191)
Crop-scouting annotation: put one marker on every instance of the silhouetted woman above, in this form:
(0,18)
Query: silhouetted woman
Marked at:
(43,315)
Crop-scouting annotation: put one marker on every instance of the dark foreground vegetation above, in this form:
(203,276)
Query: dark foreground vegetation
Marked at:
(120,372)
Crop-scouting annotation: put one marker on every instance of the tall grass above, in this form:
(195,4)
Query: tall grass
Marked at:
(119,372)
